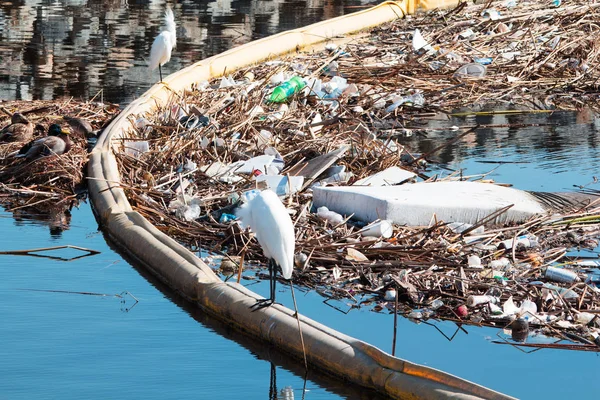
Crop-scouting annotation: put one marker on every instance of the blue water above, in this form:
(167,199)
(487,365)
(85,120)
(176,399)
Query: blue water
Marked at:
(74,346)
(562,154)
(58,345)
(67,345)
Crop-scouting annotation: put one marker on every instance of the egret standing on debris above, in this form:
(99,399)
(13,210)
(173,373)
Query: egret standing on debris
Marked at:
(160,53)
(269,220)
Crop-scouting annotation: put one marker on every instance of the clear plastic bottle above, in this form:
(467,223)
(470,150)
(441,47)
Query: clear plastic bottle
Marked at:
(560,275)
(565,293)
(415,314)
(437,303)
(524,241)
(415,100)
(287,89)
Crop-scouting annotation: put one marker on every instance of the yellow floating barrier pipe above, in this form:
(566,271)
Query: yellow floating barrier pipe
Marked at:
(328,351)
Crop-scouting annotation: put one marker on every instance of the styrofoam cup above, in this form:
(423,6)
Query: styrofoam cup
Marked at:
(382,228)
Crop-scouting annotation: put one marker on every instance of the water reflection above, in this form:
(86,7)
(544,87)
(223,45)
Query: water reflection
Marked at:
(76,48)
(56,216)
(78,329)
(282,388)
(550,151)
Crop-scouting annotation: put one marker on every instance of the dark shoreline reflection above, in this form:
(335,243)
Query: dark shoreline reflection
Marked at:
(50,49)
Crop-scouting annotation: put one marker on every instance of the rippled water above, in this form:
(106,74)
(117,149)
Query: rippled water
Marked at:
(543,151)
(68,331)
(80,47)
(59,342)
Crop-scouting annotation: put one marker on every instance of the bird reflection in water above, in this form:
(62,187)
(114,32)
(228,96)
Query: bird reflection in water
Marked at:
(56,216)
(287,393)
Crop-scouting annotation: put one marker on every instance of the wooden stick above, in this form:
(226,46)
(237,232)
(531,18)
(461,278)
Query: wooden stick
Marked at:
(395,324)
(68,246)
(299,326)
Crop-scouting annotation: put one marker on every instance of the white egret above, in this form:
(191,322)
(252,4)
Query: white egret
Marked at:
(160,52)
(269,220)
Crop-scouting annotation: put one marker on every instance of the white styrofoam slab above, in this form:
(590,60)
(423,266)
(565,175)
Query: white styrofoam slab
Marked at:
(387,177)
(415,204)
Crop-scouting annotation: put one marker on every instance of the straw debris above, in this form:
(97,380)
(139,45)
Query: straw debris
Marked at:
(56,179)
(185,166)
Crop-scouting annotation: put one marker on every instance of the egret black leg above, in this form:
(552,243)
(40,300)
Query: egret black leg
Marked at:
(273,383)
(273,276)
(160,72)
(262,303)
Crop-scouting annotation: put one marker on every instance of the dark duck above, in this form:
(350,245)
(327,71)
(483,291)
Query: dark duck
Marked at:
(80,126)
(19,130)
(57,142)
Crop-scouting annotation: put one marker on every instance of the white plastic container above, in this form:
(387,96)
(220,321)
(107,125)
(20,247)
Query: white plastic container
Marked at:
(473,301)
(520,241)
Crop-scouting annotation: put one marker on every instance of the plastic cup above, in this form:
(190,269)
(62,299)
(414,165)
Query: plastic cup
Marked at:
(390,295)
(381,228)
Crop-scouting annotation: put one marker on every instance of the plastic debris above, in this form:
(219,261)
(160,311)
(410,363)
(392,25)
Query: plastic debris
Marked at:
(381,228)
(419,42)
(281,184)
(343,137)
(136,148)
(330,216)
(260,163)
(524,241)
(226,218)
(483,60)
(474,261)
(560,275)
(287,89)
(491,13)
(390,295)
(226,81)
(473,70)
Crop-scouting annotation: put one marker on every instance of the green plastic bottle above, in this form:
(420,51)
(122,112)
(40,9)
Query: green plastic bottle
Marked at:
(287,89)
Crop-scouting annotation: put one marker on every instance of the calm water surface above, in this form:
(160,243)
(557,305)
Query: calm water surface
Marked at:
(66,335)
(561,153)
(73,345)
